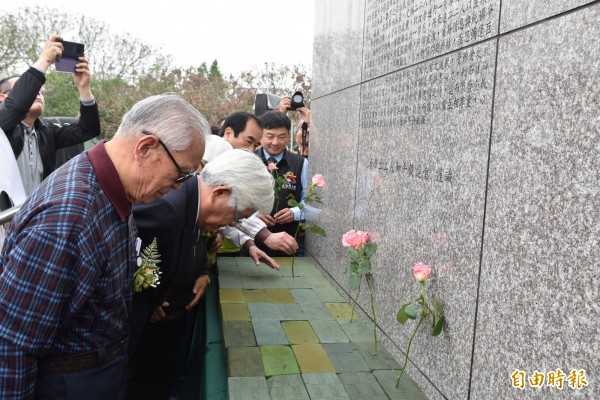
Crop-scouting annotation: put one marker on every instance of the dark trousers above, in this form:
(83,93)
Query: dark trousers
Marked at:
(152,370)
(100,383)
(192,352)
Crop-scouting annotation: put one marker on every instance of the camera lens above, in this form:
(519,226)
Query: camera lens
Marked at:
(297,98)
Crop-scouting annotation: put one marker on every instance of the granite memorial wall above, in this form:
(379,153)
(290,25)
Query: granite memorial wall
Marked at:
(465,134)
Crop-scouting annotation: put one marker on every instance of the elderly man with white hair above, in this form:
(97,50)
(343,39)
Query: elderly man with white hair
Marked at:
(68,262)
(230,187)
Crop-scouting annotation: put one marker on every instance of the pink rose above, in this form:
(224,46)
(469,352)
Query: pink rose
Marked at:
(318,180)
(421,271)
(271,166)
(364,236)
(354,239)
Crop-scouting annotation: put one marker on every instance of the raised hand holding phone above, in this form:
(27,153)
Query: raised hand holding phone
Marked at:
(51,52)
(70,56)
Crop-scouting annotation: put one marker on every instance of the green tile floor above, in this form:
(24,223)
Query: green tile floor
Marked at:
(291,338)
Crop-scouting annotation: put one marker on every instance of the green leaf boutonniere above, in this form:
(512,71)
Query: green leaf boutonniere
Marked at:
(147,274)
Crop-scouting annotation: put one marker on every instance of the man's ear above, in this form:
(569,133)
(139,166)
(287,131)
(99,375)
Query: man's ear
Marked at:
(228,132)
(145,146)
(220,191)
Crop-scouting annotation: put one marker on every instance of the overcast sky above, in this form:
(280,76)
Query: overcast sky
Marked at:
(239,34)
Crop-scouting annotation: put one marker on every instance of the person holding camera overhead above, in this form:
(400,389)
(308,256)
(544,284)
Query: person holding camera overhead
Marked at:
(302,130)
(33,141)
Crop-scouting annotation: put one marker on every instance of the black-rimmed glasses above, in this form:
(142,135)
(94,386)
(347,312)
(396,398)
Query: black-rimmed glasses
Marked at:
(236,213)
(183,176)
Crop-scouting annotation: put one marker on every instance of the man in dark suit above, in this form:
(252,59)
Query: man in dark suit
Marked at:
(230,187)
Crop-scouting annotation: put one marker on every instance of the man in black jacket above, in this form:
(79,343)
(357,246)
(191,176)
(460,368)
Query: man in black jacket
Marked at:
(34,142)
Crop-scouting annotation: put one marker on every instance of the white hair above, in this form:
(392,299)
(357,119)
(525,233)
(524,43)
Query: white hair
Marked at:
(168,116)
(250,181)
(215,145)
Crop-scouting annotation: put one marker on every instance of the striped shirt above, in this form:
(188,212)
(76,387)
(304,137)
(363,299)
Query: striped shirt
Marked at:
(66,270)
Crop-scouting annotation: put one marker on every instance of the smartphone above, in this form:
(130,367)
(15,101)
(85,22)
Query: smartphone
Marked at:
(70,56)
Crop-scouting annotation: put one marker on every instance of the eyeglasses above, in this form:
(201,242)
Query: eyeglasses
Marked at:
(236,213)
(183,176)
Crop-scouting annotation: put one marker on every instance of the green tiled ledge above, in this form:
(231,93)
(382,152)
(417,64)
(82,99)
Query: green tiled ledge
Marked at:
(293,338)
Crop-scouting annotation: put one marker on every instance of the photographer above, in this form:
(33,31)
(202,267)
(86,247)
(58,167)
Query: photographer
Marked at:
(33,141)
(301,136)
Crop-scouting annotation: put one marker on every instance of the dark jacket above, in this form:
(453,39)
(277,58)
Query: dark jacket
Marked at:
(294,163)
(172,221)
(50,137)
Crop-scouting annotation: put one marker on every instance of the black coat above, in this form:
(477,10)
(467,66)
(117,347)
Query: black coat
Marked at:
(50,137)
(172,221)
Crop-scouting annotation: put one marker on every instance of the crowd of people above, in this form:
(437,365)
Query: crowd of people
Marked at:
(75,322)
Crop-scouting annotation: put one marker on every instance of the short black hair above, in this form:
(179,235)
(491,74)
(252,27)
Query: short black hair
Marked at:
(274,120)
(237,122)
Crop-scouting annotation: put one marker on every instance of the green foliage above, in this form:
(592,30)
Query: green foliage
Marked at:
(354,281)
(317,230)
(114,97)
(402,317)
(294,203)
(360,267)
(364,270)
(62,97)
(150,256)
(420,306)
(360,264)
(370,250)
(438,325)
(438,317)
(313,228)
(214,72)
(411,310)
(203,70)
(147,275)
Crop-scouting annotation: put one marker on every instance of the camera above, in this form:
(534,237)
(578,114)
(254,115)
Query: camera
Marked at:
(297,101)
(267,102)
(70,56)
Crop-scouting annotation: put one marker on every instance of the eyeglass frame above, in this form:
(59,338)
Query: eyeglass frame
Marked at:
(182,175)
(236,213)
